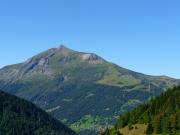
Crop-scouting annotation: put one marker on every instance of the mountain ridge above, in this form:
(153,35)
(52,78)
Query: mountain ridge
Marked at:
(65,51)
(42,60)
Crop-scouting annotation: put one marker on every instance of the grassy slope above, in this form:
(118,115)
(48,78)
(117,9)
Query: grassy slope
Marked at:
(138,129)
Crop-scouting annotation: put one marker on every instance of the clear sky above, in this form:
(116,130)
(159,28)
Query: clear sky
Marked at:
(142,35)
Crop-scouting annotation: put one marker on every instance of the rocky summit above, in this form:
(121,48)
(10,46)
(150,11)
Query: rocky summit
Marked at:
(81,89)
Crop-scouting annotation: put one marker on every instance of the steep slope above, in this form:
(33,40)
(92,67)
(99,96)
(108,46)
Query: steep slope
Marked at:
(81,89)
(19,117)
(158,116)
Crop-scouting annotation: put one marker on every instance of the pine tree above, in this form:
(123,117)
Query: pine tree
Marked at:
(174,119)
(157,125)
(149,129)
(107,131)
(165,124)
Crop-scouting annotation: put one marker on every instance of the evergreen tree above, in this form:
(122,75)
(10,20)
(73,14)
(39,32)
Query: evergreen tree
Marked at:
(157,125)
(107,131)
(149,129)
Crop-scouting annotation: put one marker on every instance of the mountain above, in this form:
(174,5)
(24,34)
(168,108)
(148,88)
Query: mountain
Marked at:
(81,89)
(159,116)
(20,117)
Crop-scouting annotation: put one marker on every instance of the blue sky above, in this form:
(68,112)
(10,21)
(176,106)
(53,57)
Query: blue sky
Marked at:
(142,35)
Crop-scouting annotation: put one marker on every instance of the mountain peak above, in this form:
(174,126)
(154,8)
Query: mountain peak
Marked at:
(63,48)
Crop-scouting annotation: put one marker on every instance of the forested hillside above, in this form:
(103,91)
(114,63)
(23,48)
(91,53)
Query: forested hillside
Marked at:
(19,117)
(160,115)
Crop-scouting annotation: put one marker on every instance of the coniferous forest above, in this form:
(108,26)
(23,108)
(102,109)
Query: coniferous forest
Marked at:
(160,114)
(20,117)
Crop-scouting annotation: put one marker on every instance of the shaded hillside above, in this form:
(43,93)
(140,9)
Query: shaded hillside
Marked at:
(160,115)
(81,89)
(19,117)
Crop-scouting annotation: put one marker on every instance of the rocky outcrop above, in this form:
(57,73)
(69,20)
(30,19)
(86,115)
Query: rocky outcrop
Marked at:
(92,58)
